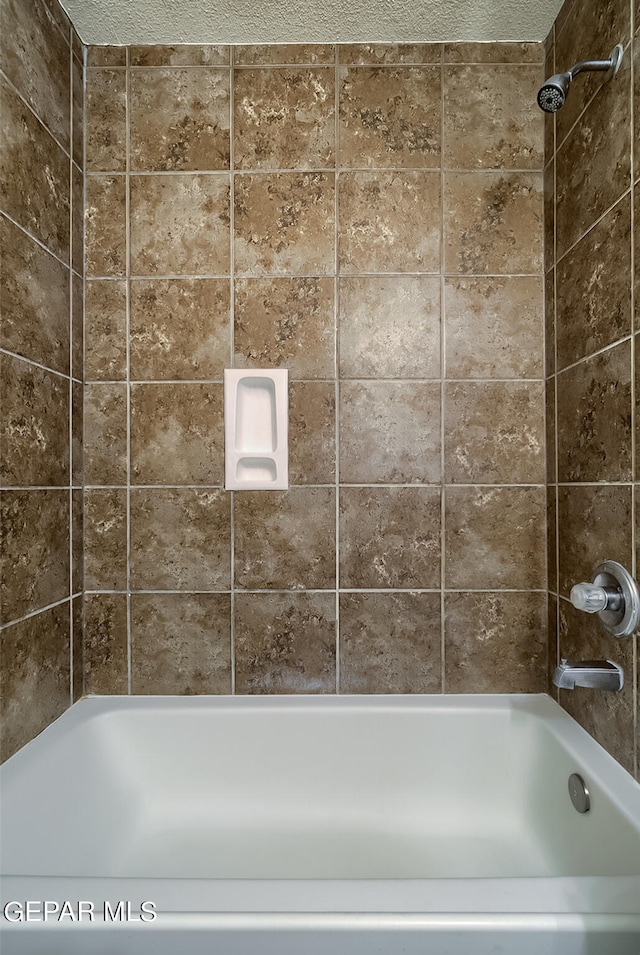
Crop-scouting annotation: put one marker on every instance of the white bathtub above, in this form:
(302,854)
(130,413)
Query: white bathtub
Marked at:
(305,826)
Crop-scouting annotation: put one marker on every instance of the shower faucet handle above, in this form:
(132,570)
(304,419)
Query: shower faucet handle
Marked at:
(593,599)
(613,594)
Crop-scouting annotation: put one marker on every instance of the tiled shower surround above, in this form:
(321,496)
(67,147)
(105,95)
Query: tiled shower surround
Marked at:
(592,226)
(41,248)
(371,218)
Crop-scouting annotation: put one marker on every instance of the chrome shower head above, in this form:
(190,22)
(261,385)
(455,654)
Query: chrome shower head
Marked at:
(553,93)
(552,96)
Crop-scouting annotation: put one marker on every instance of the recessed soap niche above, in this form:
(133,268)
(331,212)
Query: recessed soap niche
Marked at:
(256,428)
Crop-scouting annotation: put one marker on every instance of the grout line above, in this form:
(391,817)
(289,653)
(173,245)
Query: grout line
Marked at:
(323,170)
(243,591)
(36,364)
(72,212)
(592,355)
(84,348)
(35,613)
(434,486)
(128,357)
(4,214)
(348,380)
(592,226)
(634,399)
(443,370)
(336,359)
(266,276)
(232,318)
(67,152)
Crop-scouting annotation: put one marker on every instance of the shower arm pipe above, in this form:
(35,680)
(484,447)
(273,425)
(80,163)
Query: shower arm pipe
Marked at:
(587,66)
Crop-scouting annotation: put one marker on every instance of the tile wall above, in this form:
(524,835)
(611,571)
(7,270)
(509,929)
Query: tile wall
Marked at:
(369,217)
(41,239)
(591,241)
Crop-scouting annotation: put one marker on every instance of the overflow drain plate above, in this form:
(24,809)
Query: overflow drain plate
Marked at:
(579,793)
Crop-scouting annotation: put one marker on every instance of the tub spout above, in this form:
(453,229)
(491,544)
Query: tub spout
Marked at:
(597,674)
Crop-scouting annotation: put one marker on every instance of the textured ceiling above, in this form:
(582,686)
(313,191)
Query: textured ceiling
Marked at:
(300,21)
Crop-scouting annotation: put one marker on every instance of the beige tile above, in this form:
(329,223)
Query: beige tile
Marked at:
(180,225)
(636,100)
(34,175)
(493,52)
(491,117)
(77,112)
(77,643)
(179,328)
(77,326)
(105,539)
(390,537)
(180,643)
(34,558)
(284,118)
(77,219)
(294,53)
(106,56)
(379,54)
(105,226)
(294,548)
(636,345)
(105,446)
(285,643)
(105,644)
(552,547)
(389,432)
(494,327)
(594,291)
(389,221)
(390,117)
(554,656)
(284,223)
(594,418)
(494,432)
(549,214)
(495,538)
(286,322)
(606,716)
(586,189)
(595,524)
(496,643)
(550,323)
(35,58)
(34,295)
(35,676)
(106,121)
(179,119)
(58,16)
(77,436)
(106,330)
(609,22)
(180,539)
(34,425)
(493,222)
(389,326)
(550,429)
(177,434)
(179,55)
(390,643)
(77,541)
(312,432)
